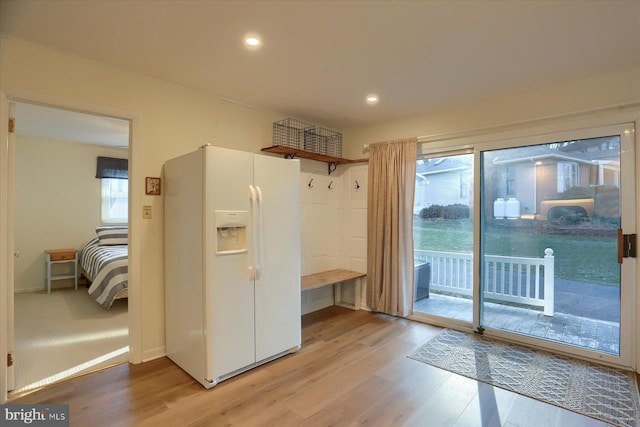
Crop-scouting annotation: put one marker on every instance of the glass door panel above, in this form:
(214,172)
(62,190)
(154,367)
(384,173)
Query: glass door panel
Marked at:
(549,221)
(443,237)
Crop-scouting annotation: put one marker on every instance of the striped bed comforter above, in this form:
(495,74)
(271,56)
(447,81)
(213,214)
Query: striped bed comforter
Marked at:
(107,268)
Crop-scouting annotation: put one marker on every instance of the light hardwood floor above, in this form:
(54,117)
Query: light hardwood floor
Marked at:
(352,370)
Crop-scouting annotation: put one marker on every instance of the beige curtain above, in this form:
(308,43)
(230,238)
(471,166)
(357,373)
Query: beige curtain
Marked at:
(392,174)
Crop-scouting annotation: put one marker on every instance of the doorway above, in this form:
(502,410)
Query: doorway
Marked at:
(520,239)
(61,333)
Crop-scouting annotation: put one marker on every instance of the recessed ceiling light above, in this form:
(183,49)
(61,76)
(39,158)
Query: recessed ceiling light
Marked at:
(372,99)
(252,41)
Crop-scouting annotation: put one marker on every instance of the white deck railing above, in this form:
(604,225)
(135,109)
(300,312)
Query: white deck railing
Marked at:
(519,280)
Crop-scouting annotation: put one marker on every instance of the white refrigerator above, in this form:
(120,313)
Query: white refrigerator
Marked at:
(232,261)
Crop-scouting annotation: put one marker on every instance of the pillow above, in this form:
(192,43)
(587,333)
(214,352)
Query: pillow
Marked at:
(114,235)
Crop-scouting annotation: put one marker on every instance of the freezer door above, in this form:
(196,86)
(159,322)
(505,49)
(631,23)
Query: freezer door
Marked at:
(277,288)
(229,293)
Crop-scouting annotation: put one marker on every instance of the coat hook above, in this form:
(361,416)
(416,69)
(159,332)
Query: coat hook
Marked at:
(331,185)
(309,184)
(357,186)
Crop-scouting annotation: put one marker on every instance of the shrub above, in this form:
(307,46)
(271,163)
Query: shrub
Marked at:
(578,193)
(431,212)
(456,211)
(607,201)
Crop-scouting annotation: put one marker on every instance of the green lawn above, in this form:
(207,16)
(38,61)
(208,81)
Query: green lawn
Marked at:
(578,256)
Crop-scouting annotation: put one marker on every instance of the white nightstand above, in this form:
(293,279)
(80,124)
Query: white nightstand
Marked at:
(60,256)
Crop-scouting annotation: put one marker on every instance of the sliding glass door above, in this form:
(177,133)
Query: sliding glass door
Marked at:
(529,250)
(443,237)
(549,242)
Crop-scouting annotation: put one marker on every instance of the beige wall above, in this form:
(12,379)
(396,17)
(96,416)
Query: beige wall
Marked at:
(57,203)
(171,120)
(571,97)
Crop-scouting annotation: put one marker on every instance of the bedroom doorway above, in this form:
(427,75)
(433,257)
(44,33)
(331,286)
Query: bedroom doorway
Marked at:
(63,332)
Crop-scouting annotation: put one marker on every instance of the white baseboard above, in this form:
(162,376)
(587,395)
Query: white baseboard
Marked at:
(154,353)
(28,290)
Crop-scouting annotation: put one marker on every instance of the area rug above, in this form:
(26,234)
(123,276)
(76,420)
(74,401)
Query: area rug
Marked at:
(604,393)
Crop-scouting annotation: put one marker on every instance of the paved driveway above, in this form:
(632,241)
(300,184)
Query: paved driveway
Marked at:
(589,300)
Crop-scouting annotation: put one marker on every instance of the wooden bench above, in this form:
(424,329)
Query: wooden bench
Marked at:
(335,277)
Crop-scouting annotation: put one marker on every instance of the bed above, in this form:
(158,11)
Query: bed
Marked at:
(104,262)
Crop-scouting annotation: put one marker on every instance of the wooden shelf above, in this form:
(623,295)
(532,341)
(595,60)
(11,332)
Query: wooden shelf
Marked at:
(290,153)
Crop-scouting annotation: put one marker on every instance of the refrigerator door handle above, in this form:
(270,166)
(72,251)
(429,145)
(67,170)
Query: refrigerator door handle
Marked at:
(260,234)
(252,246)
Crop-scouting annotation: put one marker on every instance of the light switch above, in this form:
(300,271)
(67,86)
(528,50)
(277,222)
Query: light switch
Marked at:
(146,212)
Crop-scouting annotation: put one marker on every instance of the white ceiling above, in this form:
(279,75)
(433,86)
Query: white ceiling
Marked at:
(321,58)
(39,121)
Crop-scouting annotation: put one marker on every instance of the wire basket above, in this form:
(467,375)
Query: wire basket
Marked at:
(290,133)
(307,136)
(323,141)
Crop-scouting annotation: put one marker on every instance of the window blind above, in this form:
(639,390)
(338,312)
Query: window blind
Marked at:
(110,167)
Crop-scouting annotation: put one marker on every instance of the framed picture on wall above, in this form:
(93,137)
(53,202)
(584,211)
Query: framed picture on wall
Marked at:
(152,186)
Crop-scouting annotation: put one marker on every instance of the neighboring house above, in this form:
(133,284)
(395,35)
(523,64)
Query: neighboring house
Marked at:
(443,181)
(530,174)
(544,172)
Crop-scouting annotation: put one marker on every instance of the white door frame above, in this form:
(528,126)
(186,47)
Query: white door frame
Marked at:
(6,256)
(6,224)
(10,238)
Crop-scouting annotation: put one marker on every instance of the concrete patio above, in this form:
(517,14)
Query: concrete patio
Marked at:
(590,333)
